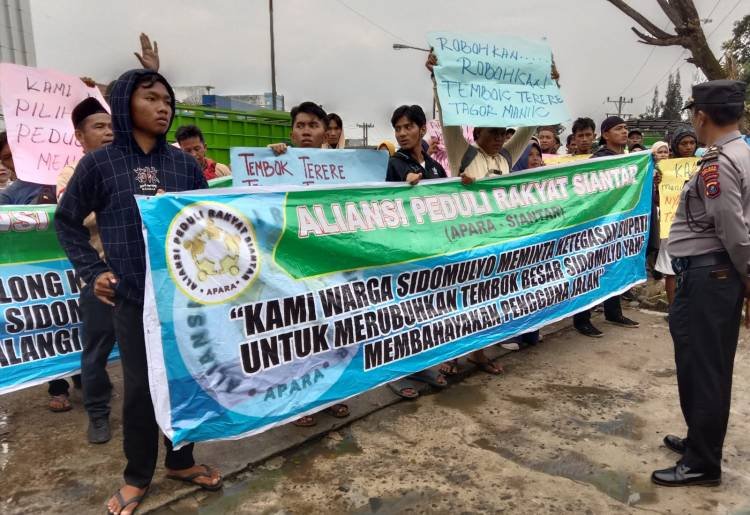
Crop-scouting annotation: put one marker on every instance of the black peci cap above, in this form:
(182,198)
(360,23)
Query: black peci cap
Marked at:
(86,108)
(717,92)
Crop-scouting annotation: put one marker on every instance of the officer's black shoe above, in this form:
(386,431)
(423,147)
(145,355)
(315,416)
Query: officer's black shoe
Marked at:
(588,329)
(99,431)
(624,322)
(682,475)
(675,444)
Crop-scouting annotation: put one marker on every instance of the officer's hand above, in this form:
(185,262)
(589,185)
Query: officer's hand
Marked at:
(104,287)
(413,178)
(431,62)
(278,148)
(466,180)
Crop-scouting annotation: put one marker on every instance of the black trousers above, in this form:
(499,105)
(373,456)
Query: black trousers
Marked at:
(612,311)
(98,340)
(705,321)
(140,431)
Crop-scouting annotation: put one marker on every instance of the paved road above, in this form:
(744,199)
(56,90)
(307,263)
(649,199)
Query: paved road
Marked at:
(575,425)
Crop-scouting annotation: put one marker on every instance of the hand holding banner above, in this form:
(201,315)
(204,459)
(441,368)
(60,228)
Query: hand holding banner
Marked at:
(495,81)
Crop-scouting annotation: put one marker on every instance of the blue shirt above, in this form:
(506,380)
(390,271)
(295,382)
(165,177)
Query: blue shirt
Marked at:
(20,193)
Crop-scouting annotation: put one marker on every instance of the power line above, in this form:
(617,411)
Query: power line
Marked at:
(725,18)
(708,17)
(639,71)
(371,22)
(669,70)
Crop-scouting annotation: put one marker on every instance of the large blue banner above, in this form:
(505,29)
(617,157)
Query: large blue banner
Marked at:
(306,166)
(264,307)
(40,317)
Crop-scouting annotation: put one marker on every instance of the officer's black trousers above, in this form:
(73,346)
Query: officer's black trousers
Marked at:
(140,432)
(705,321)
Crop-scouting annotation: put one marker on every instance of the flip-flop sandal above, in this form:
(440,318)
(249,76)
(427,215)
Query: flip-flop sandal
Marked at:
(430,377)
(306,421)
(124,503)
(487,366)
(59,403)
(401,386)
(449,368)
(208,472)
(339,411)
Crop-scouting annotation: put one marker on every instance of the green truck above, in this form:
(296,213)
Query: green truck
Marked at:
(224,129)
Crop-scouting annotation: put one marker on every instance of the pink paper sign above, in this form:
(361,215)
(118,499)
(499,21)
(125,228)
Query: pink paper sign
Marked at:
(37,105)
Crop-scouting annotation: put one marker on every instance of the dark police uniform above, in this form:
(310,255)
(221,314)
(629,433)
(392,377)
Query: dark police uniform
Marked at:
(710,244)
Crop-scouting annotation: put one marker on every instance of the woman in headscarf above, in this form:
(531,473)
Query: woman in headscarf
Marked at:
(663,265)
(387,145)
(684,142)
(334,132)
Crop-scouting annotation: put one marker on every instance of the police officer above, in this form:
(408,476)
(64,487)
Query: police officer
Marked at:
(710,245)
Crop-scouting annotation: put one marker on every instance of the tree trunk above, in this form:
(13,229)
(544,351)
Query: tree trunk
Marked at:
(688,33)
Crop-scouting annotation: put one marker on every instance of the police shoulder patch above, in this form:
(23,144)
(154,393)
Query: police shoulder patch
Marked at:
(711,154)
(710,175)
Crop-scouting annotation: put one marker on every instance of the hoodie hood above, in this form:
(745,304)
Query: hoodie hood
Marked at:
(119,103)
(679,135)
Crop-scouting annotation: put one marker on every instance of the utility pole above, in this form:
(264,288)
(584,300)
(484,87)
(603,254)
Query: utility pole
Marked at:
(619,103)
(273,58)
(364,126)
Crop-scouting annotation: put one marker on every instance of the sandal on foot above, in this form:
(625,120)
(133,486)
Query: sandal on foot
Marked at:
(487,366)
(404,389)
(449,368)
(59,403)
(338,411)
(124,503)
(191,479)
(430,377)
(306,421)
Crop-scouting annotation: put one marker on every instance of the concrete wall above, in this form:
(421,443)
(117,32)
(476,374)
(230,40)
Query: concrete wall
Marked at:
(16,35)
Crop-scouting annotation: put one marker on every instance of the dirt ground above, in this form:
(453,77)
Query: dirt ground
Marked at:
(575,425)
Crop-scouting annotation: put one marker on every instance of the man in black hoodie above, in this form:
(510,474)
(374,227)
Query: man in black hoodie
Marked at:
(612,143)
(138,162)
(410,163)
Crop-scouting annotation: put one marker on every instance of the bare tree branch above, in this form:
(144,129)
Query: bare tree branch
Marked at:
(640,19)
(688,33)
(672,40)
(672,13)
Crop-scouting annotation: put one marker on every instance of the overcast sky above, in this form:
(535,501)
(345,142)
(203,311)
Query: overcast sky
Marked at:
(339,52)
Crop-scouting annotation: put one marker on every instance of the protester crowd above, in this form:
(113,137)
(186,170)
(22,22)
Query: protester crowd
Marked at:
(98,227)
